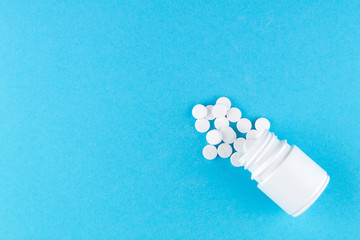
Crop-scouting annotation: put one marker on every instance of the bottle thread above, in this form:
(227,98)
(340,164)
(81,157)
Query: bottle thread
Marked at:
(265,156)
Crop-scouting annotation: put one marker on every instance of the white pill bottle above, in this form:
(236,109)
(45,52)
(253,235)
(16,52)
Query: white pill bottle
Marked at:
(284,173)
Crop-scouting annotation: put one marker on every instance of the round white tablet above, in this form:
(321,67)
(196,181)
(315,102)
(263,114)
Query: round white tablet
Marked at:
(228,134)
(210,152)
(219,110)
(209,115)
(199,111)
(248,144)
(235,159)
(239,144)
(233,114)
(262,124)
(252,134)
(214,137)
(221,122)
(243,125)
(225,101)
(202,125)
(224,150)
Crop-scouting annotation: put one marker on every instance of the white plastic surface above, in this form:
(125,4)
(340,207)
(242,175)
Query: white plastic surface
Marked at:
(284,173)
(296,183)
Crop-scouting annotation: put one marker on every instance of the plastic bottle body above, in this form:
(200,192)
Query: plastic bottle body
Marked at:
(285,173)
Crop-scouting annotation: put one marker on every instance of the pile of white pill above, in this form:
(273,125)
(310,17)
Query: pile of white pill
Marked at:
(223,139)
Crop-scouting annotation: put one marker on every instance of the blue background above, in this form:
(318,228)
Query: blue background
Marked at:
(97,140)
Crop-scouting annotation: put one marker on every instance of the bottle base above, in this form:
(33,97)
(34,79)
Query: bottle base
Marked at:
(313,198)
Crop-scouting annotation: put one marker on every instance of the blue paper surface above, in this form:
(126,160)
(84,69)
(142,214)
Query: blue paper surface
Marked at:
(97,140)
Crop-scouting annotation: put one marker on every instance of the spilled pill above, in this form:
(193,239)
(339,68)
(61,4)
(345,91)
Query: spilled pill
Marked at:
(210,152)
(221,122)
(262,124)
(252,134)
(249,143)
(235,159)
(209,115)
(243,125)
(233,114)
(214,137)
(202,125)
(228,135)
(224,101)
(219,110)
(239,144)
(224,150)
(199,111)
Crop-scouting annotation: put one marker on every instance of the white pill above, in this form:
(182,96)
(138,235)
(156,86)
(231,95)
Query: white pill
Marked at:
(248,144)
(202,125)
(214,137)
(233,114)
(199,111)
(224,150)
(210,152)
(209,115)
(252,134)
(235,159)
(225,101)
(221,122)
(243,125)
(239,144)
(262,124)
(228,135)
(219,110)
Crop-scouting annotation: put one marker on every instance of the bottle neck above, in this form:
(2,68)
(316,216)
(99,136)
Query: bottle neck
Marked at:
(265,156)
